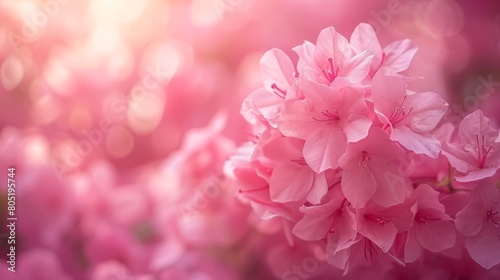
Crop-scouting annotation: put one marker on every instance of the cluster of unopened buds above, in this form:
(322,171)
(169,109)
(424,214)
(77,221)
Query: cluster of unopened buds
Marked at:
(344,154)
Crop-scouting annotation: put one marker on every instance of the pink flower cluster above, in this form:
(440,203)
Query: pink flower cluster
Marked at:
(344,154)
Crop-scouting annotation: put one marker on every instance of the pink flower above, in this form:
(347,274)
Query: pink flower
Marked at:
(382,224)
(38,264)
(432,228)
(359,254)
(278,74)
(410,116)
(292,179)
(397,56)
(332,221)
(370,171)
(477,154)
(327,119)
(251,177)
(195,171)
(332,58)
(479,221)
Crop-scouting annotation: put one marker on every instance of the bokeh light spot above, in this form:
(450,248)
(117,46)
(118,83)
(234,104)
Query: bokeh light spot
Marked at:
(119,142)
(444,18)
(11,73)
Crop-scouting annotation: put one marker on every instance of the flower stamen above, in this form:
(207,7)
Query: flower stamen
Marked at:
(482,151)
(331,74)
(424,219)
(329,116)
(364,160)
(381,221)
(299,160)
(398,114)
(253,190)
(279,92)
(490,218)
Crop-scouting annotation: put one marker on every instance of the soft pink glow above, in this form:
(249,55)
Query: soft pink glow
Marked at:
(251,139)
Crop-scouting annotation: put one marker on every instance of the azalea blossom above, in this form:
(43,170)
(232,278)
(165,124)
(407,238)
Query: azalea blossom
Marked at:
(396,56)
(332,221)
(331,61)
(292,179)
(327,119)
(409,117)
(370,171)
(279,77)
(476,154)
(432,228)
(479,221)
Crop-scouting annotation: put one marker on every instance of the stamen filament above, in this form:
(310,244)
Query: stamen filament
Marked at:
(329,116)
(423,220)
(332,73)
(379,220)
(299,160)
(279,92)
(490,218)
(398,114)
(253,190)
(482,151)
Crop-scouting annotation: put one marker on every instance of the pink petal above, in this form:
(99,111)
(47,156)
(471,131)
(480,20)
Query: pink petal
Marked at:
(364,38)
(331,44)
(391,187)
(476,124)
(428,198)
(399,55)
(339,259)
(290,182)
(359,186)
(345,228)
(321,94)
(428,110)
(477,175)
(457,157)
(315,223)
(277,68)
(382,235)
(262,103)
(388,91)
(324,147)
(484,248)
(355,119)
(312,228)
(420,143)
(296,119)
(306,54)
(357,127)
(358,68)
(436,235)
(283,149)
(413,250)
(318,189)
(469,221)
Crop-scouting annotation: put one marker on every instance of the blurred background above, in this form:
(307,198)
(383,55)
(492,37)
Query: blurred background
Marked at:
(118,116)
